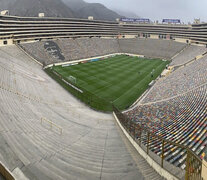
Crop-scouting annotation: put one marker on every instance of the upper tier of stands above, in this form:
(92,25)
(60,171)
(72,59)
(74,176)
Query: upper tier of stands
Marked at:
(24,28)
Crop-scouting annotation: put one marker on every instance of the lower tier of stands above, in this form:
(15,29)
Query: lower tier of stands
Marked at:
(90,146)
(154,48)
(182,120)
(183,79)
(76,49)
(189,53)
(70,49)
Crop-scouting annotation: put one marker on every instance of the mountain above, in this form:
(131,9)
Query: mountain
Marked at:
(4,4)
(75,4)
(58,8)
(128,14)
(97,10)
(51,8)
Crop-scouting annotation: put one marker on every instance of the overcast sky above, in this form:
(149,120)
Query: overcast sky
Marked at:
(186,10)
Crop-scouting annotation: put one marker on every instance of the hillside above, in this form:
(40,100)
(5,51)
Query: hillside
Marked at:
(97,10)
(58,8)
(128,14)
(51,8)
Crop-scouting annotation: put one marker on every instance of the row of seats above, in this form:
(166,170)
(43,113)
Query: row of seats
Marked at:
(182,120)
(70,49)
(183,79)
(189,53)
(75,49)
(26,95)
(153,48)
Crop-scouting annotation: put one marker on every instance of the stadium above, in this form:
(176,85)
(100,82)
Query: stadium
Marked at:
(92,99)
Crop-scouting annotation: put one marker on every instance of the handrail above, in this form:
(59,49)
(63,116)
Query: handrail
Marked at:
(5,172)
(52,124)
(193,162)
(163,139)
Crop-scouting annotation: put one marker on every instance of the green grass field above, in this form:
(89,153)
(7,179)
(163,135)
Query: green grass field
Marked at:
(120,80)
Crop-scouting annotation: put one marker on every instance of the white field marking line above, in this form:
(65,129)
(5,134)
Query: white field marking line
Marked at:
(132,87)
(135,85)
(129,89)
(104,81)
(162,79)
(103,87)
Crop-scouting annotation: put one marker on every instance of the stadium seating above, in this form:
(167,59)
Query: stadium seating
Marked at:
(180,81)
(175,107)
(181,120)
(72,49)
(155,48)
(189,53)
(26,95)
(91,146)
(39,51)
(76,49)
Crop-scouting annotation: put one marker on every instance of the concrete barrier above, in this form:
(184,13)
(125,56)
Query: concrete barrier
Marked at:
(164,173)
(204,170)
(5,172)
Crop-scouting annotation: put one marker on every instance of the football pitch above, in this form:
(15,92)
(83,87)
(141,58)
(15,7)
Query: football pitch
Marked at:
(120,80)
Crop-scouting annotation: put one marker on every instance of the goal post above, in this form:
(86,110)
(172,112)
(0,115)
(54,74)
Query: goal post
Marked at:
(72,79)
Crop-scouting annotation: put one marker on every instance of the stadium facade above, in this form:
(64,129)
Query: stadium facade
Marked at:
(23,28)
(184,154)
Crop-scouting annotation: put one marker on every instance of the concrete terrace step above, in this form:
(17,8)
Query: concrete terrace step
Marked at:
(89,148)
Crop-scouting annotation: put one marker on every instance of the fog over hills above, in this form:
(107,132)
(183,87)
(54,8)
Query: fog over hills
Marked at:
(55,8)
(97,10)
(129,14)
(59,8)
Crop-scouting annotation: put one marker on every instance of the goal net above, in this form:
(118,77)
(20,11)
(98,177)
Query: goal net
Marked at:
(72,79)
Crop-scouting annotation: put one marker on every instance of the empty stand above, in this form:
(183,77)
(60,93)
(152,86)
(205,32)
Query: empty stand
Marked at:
(90,146)
(70,49)
(80,48)
(190,53)
(181,120)
(184,79)
(154,48)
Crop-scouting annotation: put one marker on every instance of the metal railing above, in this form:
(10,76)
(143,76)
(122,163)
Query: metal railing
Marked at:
(52,125)
(157,148)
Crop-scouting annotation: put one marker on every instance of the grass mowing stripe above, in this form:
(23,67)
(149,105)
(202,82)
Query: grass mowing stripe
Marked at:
(121,79)
(117,81)
(137,86)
